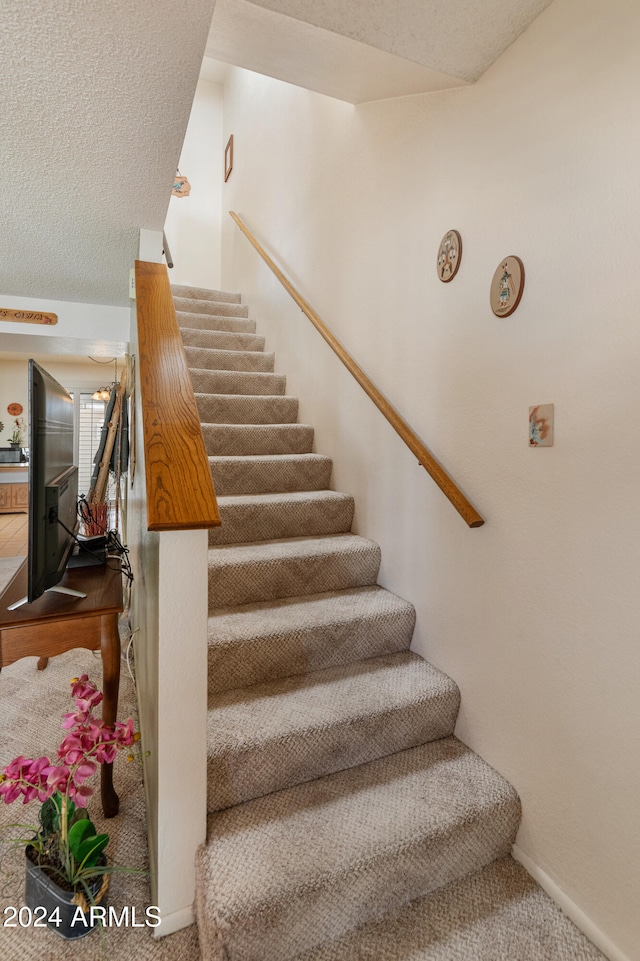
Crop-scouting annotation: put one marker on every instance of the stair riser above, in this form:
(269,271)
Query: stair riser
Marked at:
(245,360)
(238,583)
(235,440)
(200,293)
(192,305)
(317,917)
(308,472)
(244,523)
(232,779)
(230,409)
(237,325)
(456,829)
(237,382)
(243,661)
(221,340)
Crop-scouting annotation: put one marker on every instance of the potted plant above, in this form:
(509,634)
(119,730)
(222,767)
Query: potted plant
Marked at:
(66,868)
(16,438)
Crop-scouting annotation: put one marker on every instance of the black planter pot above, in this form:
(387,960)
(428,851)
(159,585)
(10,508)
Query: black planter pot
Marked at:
(65,908)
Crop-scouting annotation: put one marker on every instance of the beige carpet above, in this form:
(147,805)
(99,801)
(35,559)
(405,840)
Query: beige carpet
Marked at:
(31,705)
(497,914)
(346,823)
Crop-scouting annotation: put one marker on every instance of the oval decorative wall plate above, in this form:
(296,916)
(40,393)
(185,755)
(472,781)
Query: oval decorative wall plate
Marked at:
(449,256)
(14,409)
(507,286)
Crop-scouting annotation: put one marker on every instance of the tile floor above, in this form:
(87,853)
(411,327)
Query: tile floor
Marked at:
(13,535)
(13,545)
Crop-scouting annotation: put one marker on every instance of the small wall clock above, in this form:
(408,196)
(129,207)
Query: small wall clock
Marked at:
(14,409)
(507,286)
(449,256)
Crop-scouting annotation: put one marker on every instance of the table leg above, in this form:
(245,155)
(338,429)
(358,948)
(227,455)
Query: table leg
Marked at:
(110,647)
(42,663)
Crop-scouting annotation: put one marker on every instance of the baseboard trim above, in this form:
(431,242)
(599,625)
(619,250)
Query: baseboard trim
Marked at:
(579,918)
(175,922)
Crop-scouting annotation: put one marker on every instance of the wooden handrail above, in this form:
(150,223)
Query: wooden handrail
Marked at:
(180,494)
(413,442)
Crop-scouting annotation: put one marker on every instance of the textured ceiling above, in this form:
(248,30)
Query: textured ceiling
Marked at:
(95,99)
(370,49)
(314,58)
(95,102)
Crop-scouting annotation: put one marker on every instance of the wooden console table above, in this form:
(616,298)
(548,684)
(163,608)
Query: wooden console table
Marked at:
(56,623)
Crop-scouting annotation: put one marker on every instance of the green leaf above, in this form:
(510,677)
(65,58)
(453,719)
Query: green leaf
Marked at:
(78,833)
(80,814)
(90,850)
(49,817)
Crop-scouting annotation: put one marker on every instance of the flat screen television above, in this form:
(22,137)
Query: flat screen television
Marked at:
(53,482)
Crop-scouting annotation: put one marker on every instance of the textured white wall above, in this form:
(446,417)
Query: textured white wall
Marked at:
(193,223)
(536,614)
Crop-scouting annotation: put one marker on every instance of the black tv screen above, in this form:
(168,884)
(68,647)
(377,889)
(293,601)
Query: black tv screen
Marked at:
(53,481)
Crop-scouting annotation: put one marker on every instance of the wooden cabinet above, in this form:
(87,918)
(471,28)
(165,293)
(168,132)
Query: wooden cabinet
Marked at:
(14,498)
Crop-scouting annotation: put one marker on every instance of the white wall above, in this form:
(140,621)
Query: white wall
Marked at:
(74,376)
(75,320)
(193,223)
(536,614)
(169,619)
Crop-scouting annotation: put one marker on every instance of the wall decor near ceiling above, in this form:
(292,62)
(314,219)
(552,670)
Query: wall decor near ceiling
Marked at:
(228,158)
(449,256)
(27,316)
(507,286)
(14,409)
(541,425)
(181,186)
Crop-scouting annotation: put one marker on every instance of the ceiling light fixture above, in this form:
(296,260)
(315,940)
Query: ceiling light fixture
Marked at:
(104,393)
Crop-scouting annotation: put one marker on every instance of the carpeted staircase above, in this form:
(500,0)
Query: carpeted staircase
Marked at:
(346,822)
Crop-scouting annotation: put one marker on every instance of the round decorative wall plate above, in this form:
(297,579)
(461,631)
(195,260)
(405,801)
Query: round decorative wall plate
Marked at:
(507,286)
(14,409)
(449,256)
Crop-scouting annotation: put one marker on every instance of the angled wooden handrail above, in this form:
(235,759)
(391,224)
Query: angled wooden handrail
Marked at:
(180,494)
(413,442)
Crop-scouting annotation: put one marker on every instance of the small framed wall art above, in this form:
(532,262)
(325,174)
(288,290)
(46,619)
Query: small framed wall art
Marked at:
(507,286)
(449,256)
(228,158)
(181,186)
(541,425)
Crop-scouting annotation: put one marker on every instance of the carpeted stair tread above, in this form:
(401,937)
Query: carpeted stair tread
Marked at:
(201,293)
(237,382)
(293,635)
(226,440)
(284,873)
(274,735)
(249,573)
(230,324)
(315,700)
(241,409)
(270,473)
(273,516)
(221,339)
(215,307)
(205,358)
(496,914)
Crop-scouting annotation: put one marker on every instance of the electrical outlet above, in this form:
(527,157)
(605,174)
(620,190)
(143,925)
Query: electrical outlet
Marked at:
(132,284)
